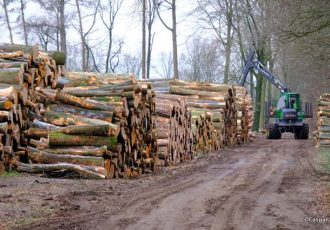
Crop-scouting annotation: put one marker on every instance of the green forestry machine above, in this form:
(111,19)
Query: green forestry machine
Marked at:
(288,115)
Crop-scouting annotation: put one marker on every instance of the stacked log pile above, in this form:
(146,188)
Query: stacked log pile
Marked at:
(244,112)
(221,113)
(22,70)
(106,125)
(322,134)
(116,102)
(173,123)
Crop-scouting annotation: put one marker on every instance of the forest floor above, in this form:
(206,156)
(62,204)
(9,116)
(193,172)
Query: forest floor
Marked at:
(268,184)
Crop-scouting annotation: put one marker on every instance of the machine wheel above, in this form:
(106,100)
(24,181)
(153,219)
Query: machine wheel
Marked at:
(303,133)
(273,132)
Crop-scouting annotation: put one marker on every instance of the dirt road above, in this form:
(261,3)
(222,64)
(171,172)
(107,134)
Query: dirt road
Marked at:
(268,184)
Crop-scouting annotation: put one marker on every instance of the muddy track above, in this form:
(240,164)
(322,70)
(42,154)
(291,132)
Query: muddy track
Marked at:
(264,185)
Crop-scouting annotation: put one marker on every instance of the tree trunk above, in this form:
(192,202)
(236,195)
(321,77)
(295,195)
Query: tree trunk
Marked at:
(24,23)
(65,119)
(62,26)
(80,151)
(48,168)
(43,157)
(60,139)
(83,42)
(174,41)
(93,130)
(257,112)
(143,61)
(87,113)
(5,3)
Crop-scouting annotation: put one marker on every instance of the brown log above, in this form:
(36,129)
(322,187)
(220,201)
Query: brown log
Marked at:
(11,55)
(95,93)
(79,151)
(3,127)
(93,130)
(60,139)
(93,114)
(43,157)
(4,115)
(47,168)
(65,119)
(43,125)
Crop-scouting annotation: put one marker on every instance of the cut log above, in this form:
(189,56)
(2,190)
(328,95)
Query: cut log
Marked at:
(93,130)
(80,151)
(47,168)
(43,157)
(94,114)
(76,101)
(60,139)
(65,119)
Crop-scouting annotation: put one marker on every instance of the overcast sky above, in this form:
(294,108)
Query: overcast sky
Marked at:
(127,27)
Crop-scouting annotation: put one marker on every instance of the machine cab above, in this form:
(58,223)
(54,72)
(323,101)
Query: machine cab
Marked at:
(289,101)
(288,107)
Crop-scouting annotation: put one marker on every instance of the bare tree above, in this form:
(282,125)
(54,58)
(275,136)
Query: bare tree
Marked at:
(144,19)
(61,6)
(151,11)
(56,9)
(108,13)
(170,5)
(218,16)
(5,4)
(22,9)
(202,61)
(130,64)
(165,69)
(85,47)
(45,31)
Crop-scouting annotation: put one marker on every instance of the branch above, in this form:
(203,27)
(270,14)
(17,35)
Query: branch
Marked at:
(160,18)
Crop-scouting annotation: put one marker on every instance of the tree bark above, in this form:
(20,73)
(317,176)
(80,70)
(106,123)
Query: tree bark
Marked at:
(60,139)
(65,119)
(5,4)
(83,47)
(143,59)
(174,41)
(43,157)
(47,168)
(24,22)
(62,26)
(87,113)
(80,151)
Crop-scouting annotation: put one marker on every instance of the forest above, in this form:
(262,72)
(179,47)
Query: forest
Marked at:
(291,38)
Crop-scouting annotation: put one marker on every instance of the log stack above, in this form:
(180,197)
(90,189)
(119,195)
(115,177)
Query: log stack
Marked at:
(22,70)
(217,112)
(173,123)
(116,102)
(322,135)
(106,125)
(244,114)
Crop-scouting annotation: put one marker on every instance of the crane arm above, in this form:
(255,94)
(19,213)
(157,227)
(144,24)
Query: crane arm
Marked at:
(250,65)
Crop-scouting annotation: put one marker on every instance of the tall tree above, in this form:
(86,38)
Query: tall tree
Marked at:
(151,12)
(144,19)
(202,61)
(61,6)
(55,11)
(218,16)
(171,5)
(22,11)
(165,67)
(130,64)
(5,4)
(86,51)
(108,14)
